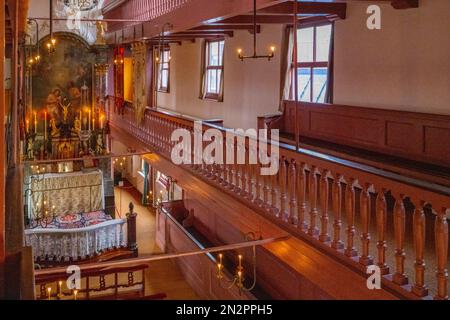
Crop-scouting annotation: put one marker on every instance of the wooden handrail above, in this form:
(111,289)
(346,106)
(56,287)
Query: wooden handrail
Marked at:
(295,199)
(150,258)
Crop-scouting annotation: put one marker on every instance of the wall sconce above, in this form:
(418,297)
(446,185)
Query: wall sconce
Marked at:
(239,275)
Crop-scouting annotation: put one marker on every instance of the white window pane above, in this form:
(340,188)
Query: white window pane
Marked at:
(219,80)
(213,53)
(304,84)
(305,44)
(212,84)
(221,47)
(320,76)
(323,36)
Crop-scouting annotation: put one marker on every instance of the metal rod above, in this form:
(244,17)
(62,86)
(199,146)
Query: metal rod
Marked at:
(254,28)
(92,20)
(297,129)
(152,258)
(91,157)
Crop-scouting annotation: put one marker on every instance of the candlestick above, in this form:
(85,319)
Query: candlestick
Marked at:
(101,121)
(49,290)
(240,260)
(93,123)
(35,122)
(89,120)
(28,125)
(75,293)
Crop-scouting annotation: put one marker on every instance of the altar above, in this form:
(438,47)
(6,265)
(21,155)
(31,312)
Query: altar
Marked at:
(66,217)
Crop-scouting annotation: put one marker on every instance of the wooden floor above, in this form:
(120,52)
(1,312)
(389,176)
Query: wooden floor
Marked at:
(162,276)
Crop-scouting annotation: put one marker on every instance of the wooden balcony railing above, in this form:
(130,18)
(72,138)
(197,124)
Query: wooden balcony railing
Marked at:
(359,214)
(96,283)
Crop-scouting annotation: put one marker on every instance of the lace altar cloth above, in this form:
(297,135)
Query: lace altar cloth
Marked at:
(75,237)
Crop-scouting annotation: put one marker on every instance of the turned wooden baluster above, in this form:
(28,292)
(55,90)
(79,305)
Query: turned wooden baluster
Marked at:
(350,250)
(258,184)
(337,210)
(301,208)
(381,217)
(365,259)
(419,287)
(250,181)
(314,212)
(399,277)
(284,214)
(441,239)
(274,186)
(266,192)
(293,212)
(324,197)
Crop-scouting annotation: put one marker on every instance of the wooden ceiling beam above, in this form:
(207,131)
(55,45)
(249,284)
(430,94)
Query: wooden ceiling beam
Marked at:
(204,33)
(263,19)
(225,27)
(287,8)
(405,4)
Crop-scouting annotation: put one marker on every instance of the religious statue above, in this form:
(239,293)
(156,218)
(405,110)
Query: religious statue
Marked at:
(55,130)
(99,147)
(101,28)
(77,125)
(65,110)
(30,152)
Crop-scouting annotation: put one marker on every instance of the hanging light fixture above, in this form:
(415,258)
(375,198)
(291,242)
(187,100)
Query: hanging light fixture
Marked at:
(35,58)
(51,45)
(270,56)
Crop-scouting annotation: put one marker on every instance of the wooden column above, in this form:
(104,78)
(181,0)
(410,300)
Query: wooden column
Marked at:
(131,230)
(2,145)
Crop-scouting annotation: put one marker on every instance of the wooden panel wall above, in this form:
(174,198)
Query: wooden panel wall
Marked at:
(415,136)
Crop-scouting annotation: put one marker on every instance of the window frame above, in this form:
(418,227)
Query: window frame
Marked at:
(208,67)
(161,88)
(313,64)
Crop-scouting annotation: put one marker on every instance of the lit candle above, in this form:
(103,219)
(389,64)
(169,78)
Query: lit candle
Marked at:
(28,125)
(49,290)
(220,258)
(45,125)
(60,289)
(75,293)
(101,121)
(240,260)
(35,122)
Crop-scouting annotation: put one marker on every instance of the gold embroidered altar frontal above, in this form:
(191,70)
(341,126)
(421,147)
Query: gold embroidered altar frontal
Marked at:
(67,193)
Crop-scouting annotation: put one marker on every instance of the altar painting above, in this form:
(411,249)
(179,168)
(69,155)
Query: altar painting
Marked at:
(59,81)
